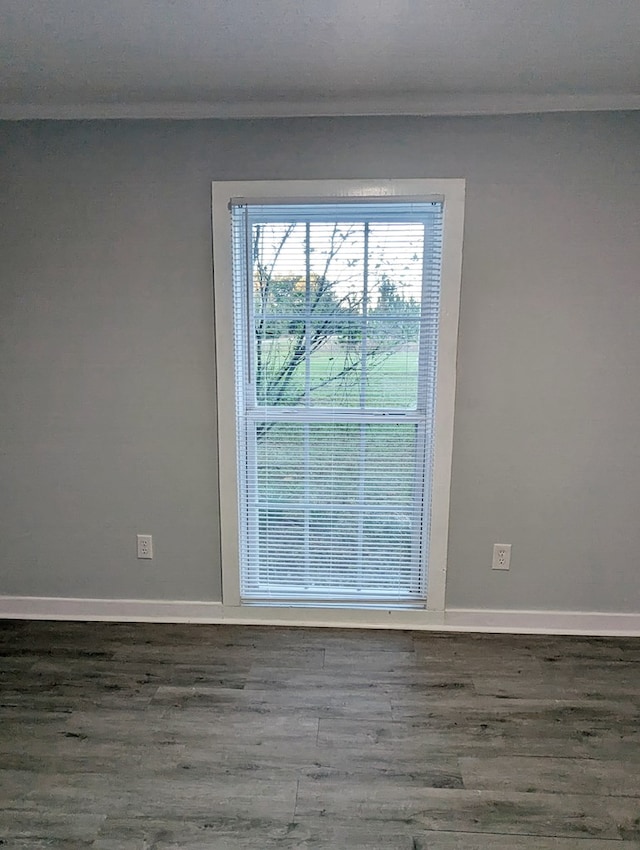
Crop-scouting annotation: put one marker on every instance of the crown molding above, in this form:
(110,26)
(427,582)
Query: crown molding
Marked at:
(435,105)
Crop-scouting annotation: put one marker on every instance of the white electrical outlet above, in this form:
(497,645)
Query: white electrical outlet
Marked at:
(501,556)
(145,546)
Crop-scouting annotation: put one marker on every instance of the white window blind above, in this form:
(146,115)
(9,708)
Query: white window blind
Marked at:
(336,311)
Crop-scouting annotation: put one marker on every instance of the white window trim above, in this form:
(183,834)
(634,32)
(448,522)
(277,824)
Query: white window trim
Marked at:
(453,193)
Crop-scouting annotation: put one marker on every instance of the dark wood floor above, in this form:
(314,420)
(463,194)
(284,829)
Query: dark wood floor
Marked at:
(124,737)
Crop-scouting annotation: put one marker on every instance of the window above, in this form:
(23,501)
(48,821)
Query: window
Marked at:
(335,439)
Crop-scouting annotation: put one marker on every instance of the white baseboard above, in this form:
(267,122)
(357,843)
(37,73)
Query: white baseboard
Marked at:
(117,610)
(453,619)
(594,623)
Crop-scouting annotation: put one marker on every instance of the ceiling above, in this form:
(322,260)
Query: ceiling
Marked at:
(258,58)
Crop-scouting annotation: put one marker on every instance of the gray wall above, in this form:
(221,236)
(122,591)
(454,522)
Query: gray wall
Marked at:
(106,347)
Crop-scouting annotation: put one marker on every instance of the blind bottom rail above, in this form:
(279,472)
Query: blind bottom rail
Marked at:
(404,603)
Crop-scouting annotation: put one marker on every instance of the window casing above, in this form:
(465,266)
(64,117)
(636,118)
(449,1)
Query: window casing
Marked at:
(335,481)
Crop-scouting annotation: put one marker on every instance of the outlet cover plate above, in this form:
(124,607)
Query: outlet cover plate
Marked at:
(145,546)
(501,556)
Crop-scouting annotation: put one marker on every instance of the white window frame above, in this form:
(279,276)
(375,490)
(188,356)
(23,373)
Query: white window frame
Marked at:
(452,191)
